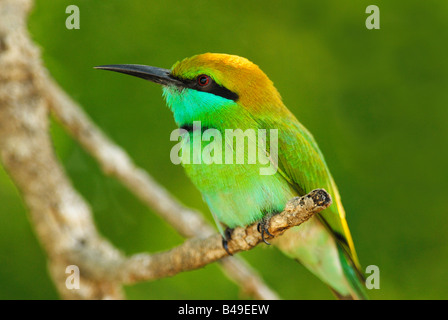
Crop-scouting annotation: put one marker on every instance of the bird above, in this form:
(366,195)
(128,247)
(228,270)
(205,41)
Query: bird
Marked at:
(228,92)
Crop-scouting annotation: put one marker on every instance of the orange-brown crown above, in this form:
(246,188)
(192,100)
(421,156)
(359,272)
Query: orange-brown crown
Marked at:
(238,74)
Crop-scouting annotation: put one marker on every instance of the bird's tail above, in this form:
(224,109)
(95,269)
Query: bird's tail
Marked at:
(354,277)
(314,247)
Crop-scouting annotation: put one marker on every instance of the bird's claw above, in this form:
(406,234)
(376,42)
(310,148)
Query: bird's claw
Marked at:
(262,228)
(225,240)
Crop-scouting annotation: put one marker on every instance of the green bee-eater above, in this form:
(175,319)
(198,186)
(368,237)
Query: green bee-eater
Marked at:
(229,92)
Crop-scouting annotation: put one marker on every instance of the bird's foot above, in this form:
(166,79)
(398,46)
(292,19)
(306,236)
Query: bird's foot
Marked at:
(225,240)
(263,229)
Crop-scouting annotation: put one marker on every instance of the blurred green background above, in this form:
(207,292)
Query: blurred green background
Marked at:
(375,100)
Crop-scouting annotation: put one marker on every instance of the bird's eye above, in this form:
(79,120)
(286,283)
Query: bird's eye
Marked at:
(203,80)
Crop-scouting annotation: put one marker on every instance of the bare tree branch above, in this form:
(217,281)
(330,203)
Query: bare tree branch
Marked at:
(198,252)
(61,218)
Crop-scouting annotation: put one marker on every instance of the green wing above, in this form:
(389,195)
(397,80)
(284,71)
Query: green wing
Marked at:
(302,164)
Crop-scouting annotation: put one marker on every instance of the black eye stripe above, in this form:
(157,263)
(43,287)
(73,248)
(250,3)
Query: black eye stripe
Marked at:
(211,87)
(221,91)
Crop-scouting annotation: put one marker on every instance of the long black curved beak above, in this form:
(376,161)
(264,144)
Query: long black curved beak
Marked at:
(154,74)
